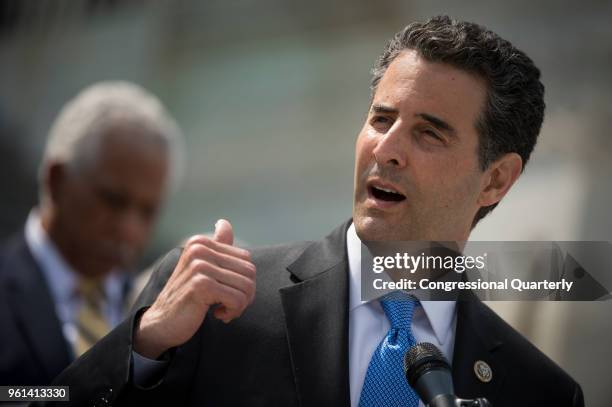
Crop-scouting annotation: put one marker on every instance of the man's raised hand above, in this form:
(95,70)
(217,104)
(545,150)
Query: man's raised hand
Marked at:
(210,271)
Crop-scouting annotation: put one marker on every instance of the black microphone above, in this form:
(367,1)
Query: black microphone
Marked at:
(428,373)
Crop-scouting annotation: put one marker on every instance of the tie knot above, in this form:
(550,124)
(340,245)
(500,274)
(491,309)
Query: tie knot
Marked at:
(399,308)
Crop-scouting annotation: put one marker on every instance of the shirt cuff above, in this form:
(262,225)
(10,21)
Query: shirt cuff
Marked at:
(148,373)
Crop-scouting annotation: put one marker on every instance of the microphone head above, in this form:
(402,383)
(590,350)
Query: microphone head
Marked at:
(421,358)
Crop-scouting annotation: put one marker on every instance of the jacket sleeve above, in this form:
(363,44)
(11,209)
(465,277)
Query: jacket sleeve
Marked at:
(578,397)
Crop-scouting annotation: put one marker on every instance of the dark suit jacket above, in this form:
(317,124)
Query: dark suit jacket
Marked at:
(33,349)
(290,347)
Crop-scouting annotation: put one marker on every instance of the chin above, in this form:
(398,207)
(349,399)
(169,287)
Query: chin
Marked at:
(101,267)
(98,271)
(374,229)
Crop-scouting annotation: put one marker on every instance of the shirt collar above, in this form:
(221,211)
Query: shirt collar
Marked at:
(440,314)
(60,277)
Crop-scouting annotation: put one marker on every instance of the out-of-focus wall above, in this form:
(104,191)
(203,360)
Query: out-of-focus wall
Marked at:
(271,95)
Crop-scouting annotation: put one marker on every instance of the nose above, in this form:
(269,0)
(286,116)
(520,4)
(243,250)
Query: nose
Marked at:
(391,147)
(132,228)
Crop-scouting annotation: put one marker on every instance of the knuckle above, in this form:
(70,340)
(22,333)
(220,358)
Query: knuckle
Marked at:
(193,240)
(194,253)
(252,270)
(189,253)
(205,252)
(200,240)
(206,241)
(196,265)
(201,266)
(202,282)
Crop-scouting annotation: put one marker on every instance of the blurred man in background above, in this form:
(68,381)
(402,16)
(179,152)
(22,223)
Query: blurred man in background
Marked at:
(104,173)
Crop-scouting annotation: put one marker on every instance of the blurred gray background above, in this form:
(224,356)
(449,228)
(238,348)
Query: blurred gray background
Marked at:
(271,95)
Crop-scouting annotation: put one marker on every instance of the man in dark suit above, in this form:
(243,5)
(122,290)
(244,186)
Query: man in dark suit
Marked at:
(64,277)
(454,116)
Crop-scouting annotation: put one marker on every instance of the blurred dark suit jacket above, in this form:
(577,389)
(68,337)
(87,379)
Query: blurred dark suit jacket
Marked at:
(33,349)
(290,347)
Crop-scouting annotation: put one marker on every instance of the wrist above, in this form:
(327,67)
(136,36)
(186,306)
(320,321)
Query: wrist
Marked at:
(148,341)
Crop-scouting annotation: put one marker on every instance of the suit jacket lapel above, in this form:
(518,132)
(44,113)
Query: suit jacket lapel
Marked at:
(316,317)
(30,299)
(476,340)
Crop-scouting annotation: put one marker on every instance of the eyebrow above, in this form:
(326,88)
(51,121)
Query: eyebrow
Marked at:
(377,108)
(438,123)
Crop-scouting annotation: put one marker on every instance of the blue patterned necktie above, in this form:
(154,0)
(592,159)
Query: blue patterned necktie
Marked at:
(385,383)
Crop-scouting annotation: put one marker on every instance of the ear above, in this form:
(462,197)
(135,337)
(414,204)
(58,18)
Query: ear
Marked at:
(499,178)
(55,179)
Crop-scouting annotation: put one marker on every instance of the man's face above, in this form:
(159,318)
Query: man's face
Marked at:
(417,174)
(106,210)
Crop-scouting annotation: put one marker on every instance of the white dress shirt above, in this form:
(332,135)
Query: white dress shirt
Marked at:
(62,281)
(433,321)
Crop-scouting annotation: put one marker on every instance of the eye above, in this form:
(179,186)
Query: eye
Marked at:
(435,136)
(381,123)
(112,199)
(380,119)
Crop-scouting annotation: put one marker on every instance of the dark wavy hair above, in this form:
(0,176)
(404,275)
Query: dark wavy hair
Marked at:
(512,117)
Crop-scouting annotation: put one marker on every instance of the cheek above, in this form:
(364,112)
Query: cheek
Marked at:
(363,151)
(460,192)
(451,183)
(78,212)
(96,218)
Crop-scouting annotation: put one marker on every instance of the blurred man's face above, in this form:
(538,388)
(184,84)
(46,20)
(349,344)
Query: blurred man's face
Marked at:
(105,211)
(416,165)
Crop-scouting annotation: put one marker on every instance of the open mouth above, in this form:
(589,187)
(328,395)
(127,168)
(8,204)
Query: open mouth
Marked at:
(386,195)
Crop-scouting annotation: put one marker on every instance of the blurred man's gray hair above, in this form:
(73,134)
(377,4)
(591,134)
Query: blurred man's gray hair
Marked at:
(98,108)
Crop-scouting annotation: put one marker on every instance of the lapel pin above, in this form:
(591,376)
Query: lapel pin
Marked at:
(483,371)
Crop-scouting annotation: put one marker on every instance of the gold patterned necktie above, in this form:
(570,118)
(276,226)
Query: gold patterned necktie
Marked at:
(91,324)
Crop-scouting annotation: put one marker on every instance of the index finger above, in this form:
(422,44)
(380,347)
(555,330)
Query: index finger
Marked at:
(220,247)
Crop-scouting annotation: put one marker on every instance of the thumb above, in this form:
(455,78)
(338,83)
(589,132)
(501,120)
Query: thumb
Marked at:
(224,232)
